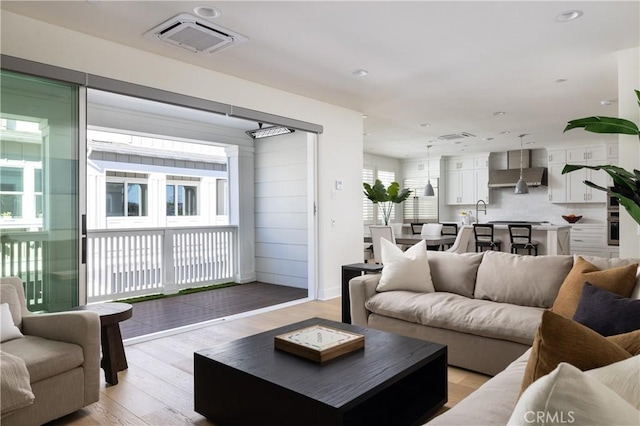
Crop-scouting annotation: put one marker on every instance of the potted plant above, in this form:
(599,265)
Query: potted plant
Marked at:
(626,185)
(386,197)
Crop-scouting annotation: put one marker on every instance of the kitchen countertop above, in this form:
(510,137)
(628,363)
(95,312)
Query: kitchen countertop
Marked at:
(541,227)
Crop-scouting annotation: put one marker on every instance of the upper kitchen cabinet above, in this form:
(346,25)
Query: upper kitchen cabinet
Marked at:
(570,188)
(587,154)
(467,179)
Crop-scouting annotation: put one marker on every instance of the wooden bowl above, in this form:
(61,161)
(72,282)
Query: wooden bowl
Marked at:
(571,219)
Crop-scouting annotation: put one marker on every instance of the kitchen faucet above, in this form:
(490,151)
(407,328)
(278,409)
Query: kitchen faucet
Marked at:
(484,209)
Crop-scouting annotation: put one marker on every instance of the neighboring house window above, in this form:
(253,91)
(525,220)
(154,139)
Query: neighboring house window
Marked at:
(11,191)
(126,194)
(182,198)
(418,208)
(222,189)
(37,187)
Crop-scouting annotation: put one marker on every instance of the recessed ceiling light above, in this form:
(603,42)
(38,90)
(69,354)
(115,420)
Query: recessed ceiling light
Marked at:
(365,116)
(561,80)
(365,134)
(569,15)
(608,102)
(530,143)
(206,11)
(499,113)
(505,132)
(359,72)
(425,124)
(487,139)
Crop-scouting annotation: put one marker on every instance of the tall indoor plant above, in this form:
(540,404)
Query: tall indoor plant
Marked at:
(626,185)
(386,197)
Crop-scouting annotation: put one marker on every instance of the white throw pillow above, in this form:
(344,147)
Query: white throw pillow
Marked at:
(8,330)
(407,270)
(568,396)
(622,377)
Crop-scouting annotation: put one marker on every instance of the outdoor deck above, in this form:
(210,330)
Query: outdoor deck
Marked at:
(171,312)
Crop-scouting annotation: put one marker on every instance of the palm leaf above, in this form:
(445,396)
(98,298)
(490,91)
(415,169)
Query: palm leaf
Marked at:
(604,125)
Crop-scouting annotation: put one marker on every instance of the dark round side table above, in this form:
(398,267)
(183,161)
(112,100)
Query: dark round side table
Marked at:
(113,356)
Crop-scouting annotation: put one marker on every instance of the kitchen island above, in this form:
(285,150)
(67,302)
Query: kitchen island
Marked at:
(552,239)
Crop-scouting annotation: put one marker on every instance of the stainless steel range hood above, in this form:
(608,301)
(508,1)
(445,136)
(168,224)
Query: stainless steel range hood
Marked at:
(534,176)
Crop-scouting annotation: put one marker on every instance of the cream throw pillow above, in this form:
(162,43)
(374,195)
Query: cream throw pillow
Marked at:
(8,330)
(622,377)
(407,270)
(569,396)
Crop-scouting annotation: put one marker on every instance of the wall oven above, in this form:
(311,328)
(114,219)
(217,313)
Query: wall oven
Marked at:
(613,228)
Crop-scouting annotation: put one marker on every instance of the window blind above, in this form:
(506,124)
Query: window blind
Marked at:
(367,205)
(418,208)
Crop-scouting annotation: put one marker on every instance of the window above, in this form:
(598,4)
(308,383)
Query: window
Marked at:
(370,210)
(418,208)
(37,188)
(131,202)
(11,191)
(367,205)
(182,200)
(222,189)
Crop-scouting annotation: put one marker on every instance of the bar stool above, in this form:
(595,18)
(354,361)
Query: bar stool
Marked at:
(484,237)
(449,229)
(416,228)
(520,236)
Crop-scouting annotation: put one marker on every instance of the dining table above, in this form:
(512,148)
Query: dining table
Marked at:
(434,242)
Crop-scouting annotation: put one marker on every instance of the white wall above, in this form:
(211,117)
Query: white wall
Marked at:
(629,146)
(339,147)
(281,210)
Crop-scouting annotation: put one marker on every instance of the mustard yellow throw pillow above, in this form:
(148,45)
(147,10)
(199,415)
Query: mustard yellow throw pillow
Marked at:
(616,280)
(559,340)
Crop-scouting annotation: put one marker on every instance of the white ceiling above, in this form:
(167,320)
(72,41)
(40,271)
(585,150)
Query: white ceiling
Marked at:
(450,64)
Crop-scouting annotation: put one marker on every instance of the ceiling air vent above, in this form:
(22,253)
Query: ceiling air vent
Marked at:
(455,136)
(195,35)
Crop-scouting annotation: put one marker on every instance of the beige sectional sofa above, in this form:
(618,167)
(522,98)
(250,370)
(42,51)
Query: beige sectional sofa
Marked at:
(61,353)
(486,306)
(486,309)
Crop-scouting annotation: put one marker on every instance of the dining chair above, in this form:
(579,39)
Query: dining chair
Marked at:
(483,233)
(462,240)
(520,235)
(377,232)
(449,229)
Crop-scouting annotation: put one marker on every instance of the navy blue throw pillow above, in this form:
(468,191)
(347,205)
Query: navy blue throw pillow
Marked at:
(607,313)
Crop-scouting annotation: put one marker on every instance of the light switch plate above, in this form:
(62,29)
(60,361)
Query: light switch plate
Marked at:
(339,185)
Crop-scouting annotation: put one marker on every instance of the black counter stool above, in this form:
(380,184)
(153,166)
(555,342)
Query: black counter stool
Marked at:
(416,228)
(449,229)
(484,237)
(521,239)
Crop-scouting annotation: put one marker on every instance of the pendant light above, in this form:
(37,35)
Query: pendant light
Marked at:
(428,189)
(521,186)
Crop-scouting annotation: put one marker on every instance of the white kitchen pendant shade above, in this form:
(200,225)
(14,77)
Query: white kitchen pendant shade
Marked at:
(521,185)
(428,189)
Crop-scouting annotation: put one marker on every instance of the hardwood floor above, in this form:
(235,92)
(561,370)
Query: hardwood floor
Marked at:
(157,389)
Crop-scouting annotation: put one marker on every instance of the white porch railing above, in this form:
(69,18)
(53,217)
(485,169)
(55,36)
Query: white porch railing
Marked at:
(136,262)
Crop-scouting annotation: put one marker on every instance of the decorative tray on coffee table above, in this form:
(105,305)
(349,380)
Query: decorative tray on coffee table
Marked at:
(319,343)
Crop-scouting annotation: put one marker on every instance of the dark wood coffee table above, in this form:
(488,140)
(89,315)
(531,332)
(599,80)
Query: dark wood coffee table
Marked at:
(394,380)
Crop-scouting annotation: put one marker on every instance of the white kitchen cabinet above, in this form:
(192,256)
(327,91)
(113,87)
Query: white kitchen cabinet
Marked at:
(482,185)
(460,163)
(578,192)
(589,153)
(557,156)
(589,239)
(556,183)
(570,188)
(460,187)
(467,179)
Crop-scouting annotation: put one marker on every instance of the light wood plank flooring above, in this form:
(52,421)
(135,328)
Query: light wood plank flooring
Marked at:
(157,389)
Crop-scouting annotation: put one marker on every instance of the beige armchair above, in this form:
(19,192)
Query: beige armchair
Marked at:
(62,355)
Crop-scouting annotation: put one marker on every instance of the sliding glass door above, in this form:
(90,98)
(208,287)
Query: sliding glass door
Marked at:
(40,188)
